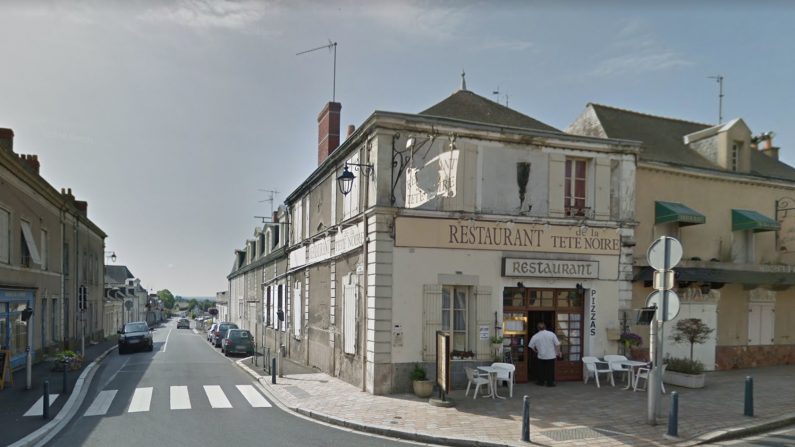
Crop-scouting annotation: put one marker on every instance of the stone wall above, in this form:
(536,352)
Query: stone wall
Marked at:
(735,357)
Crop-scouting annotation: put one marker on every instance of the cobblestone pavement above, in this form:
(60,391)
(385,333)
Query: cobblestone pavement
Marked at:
(571,414)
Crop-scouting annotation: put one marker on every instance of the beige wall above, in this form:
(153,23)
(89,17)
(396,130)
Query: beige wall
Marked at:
(714,198)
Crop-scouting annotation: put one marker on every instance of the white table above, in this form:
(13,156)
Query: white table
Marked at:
(492,380)
(632,364)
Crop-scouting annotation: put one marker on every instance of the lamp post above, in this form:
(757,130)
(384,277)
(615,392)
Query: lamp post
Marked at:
(110,255)
(345,180)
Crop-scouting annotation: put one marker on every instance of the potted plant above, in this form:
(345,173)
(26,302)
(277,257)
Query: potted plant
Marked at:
(67,359)
(629,340)
(684,372)
(496,345)
(419,381)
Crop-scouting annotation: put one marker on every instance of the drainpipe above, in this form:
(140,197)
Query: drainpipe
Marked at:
(63,274)
(365,244)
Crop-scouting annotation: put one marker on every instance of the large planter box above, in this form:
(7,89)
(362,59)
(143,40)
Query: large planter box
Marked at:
(684,380)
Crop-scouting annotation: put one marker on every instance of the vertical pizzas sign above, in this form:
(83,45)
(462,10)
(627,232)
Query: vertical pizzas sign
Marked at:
(592,319)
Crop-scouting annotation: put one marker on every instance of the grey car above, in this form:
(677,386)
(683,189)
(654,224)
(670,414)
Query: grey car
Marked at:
(135,336)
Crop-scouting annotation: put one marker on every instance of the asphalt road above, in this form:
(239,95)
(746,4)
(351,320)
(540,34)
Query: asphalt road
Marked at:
(780,438)
(186,393)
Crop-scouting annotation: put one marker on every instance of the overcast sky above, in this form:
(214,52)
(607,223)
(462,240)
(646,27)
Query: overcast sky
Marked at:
(167,117)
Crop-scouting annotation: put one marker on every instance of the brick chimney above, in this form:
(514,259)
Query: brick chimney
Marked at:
(31,162)
(82,206)
(328,126)
(770,150)
(351,130)
(7,139)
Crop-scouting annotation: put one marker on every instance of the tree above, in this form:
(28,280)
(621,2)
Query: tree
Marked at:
(691,330)
(167,298)
(192,304)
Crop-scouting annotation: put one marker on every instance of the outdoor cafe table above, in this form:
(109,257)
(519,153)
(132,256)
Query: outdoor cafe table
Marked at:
(492,380)
(632,365)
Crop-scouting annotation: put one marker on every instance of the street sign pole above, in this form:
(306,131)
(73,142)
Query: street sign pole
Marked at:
(663,255)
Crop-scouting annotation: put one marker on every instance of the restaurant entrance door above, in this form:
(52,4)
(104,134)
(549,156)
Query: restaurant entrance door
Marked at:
(561,310)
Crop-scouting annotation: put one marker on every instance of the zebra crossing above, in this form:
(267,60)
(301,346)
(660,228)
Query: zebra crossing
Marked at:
(179,399)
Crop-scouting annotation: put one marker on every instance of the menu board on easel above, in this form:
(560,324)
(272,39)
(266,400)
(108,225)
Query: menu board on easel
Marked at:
(5,372)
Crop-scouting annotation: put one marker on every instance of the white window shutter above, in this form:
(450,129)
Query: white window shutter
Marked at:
(768,320)
(5,222)
(432,314)
(349,323)
(297,310)
(485,316)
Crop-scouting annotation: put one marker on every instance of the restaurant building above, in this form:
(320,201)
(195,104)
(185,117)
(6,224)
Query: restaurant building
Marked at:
(468,217)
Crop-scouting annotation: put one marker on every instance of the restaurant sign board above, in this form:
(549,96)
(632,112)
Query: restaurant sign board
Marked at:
(488,235)
(549,268)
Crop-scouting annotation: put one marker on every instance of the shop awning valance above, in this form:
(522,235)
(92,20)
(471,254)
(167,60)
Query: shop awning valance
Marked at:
(751,220)
(722,275)
(665,212)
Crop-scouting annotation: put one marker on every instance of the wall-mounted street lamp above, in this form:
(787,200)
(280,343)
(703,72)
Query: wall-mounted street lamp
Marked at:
(110,255)
(345,180)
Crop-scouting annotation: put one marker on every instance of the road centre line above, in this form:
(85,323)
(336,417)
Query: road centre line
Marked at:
(165,345)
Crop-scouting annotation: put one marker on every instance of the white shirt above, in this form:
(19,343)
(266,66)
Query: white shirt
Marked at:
(545,343)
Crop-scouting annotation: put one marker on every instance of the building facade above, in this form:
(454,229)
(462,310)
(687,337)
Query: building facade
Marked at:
(49,250)
(469,218)
(725,195)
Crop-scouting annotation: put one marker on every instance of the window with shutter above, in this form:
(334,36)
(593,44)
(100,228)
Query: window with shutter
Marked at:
(574,187)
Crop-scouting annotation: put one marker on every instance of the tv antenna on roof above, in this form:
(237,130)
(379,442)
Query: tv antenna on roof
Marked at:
(331,46)
(271,197)
(719,79)
(497,94)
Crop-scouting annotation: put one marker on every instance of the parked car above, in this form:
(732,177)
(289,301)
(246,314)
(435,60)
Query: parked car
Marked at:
(135,336)
(183,323)
(211,331)
(237,341)
(220,332)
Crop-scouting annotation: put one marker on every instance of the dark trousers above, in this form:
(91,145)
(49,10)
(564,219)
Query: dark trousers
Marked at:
(546,373)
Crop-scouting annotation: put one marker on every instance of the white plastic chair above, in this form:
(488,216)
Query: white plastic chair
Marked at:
(506,372)
(615,364)
(477,380)
(643,373)
(594,367)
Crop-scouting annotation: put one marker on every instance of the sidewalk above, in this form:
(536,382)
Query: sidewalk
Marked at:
(15,400)
(571,414)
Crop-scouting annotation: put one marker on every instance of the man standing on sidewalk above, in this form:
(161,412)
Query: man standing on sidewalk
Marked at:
(547,347)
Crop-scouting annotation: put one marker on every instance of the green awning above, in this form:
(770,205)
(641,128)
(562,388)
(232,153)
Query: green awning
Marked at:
(751,220)
(665,212)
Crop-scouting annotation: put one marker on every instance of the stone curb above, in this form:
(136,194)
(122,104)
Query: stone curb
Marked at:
(79,391)
(364,428)
(743,431)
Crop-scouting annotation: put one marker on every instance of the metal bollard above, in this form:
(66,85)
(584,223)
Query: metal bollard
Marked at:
(526,419)
(255,356)
(273,371)
(46,403)
(749,396)
(65,383)
(673,415)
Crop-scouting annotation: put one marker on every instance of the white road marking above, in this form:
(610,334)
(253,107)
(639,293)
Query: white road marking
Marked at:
(195,331)
(101,403)
(216,396)
(38,408)
(140,400)
(253,397)
(179,398)
(165,345)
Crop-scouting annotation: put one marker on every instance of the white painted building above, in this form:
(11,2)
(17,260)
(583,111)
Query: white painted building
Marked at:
(476,220)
